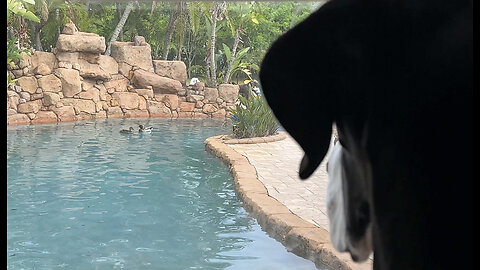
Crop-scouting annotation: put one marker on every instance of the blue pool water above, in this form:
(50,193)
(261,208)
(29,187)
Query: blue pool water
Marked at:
(83,196)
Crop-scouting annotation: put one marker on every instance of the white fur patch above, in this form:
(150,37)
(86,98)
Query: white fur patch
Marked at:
(336,213)
(362,248)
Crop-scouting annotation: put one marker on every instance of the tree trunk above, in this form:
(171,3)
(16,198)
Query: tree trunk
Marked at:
(232,58)
(213,72)
(209,74)
(190,51)
(38,41)
(42,8)
(153,7)
(119,27)
(57,17)
(119,16)
(181,28)
(170,29)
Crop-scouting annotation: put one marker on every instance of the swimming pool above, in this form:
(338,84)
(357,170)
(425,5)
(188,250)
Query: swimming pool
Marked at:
(83,196)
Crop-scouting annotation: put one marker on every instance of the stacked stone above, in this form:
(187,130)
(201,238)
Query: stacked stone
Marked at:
(77,82)
(199,101)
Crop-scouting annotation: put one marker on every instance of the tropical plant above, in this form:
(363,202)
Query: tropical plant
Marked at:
(237,66)
(13,55)
(16,8)
(252,117)
(240,14)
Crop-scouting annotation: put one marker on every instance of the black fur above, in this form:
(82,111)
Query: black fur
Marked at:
(396,78)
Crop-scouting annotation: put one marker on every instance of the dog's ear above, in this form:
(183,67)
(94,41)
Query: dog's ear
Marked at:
(297,77)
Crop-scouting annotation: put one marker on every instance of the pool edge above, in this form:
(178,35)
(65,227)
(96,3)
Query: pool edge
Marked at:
(297,235)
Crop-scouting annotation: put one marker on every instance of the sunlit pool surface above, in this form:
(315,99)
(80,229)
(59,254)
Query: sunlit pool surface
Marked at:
(83,196)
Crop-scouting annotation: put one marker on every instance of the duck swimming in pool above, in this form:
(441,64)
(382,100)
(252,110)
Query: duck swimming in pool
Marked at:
(144,129)
(127,131)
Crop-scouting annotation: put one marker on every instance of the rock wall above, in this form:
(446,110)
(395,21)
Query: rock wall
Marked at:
(76,82)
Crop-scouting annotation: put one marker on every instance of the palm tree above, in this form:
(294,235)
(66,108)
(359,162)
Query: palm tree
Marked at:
(217,15)
(119,26)
(174,15)
(211,57)
(193,35)
(118,9)
(181,28)
(244,14)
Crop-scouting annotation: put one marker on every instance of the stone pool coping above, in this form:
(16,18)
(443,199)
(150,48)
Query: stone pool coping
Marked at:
(297,235)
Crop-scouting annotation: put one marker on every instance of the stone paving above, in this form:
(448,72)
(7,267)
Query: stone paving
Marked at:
(277,164)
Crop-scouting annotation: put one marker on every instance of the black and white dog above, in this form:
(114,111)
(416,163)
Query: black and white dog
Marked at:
(396,77)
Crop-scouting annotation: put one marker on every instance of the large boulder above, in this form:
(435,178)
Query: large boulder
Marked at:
(211,94)
(13,99)
(42,69)
(65,113)
(176,70)
(50,83)
(43,117)
(126,100)
(162,85)
(28,84)
(67,57)
(92,70)
(18,119)
(80,105)
(186,106)
(158,109)
(25,60)
(114,112)
(30,106)
(50,98)
(70,78)
(92,58)
(46,58)
(127,52)
(108,64)
(147,93)
(81,42)
(117,84)
(92,93)
(228,92)
(170,100)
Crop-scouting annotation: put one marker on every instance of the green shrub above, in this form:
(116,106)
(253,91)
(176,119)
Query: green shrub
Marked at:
(253,118)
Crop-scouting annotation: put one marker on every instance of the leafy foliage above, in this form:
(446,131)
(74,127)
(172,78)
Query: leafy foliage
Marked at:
(260,23)
(253,118)
(13,55)
(16,8)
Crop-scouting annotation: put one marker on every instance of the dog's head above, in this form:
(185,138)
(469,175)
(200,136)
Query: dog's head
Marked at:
(306,73)
(307,77)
